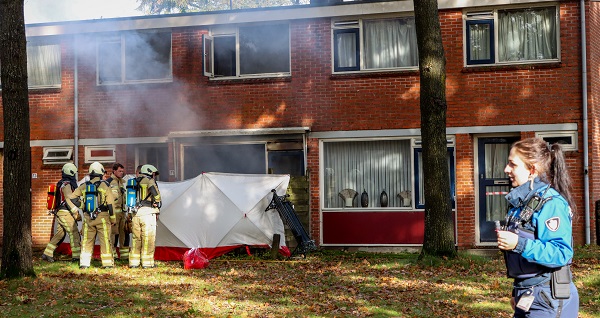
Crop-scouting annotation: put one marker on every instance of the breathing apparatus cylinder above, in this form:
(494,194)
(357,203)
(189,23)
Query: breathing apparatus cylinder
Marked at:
(131,193)
(91,200)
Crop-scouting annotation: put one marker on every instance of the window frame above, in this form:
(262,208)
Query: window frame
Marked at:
(121,39)
(343,26)
(492,58)
(90,157)
(40,42)
(451,157)
(573,146)
(208,43)
(48,158)
(370,208)
(472,17)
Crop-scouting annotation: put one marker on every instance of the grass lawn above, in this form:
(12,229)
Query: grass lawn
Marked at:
(324,284)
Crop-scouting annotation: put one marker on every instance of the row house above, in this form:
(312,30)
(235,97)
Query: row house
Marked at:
(328,94)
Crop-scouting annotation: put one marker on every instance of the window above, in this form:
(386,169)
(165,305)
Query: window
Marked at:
(374,44)
(43,65)
(102,154)
(512,36)
(370,166)
(134,57)
(255,50)
(57,155)
(156,155)
(229,158)
(567,139)
(420,177)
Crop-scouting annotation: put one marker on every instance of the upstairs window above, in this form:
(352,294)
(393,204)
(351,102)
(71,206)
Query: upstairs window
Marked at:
(135,57)
(374,44)
(505,36)
(246,51)
(43,65)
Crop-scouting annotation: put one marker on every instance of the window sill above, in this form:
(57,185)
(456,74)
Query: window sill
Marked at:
(511,67)
(247,80)
(374,74)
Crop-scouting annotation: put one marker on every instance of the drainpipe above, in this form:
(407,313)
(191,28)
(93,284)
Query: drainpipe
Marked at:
(586,177)
(76,105)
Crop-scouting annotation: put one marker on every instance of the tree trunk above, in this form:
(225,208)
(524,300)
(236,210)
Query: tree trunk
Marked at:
(16,251)
(439,234)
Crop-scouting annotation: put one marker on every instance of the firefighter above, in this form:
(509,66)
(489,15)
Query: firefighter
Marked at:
(98,217)
(67,214)
(117,186)
(144,219)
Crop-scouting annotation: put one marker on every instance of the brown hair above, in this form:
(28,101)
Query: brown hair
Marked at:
(549,162)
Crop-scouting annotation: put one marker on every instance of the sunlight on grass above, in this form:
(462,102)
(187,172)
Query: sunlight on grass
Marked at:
(326,283)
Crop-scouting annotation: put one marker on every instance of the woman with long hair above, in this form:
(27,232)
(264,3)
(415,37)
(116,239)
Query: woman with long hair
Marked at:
(536,238)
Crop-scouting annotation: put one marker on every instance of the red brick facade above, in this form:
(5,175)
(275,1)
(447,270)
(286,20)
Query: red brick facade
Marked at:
(530,94)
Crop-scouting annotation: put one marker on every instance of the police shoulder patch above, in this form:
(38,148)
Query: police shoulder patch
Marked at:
(553,224)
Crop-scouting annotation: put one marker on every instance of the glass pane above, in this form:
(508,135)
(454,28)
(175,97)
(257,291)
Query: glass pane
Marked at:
(264,49)
(148,56)
(224,47)
(43,65)
(230,158)
(528,34)
(390,43)
(479,46)
(496,158)
(496,204)
(109,62)
(346,49)
(370,166)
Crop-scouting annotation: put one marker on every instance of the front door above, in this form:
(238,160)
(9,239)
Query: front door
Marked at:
(494,185)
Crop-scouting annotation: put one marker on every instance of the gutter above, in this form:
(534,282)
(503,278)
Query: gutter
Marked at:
(584,87)
(76,105)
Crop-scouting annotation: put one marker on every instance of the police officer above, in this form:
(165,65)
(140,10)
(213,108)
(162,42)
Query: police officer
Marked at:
(144,220)
(97,224)
(67,216)
(117,186)
(537,236)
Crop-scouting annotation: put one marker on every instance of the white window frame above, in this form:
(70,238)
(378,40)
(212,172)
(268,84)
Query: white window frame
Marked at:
(231,31)
(89,157)
(357,23)
(391,196)
(52,155)
(492,14)
(30,64)
(121,39)
(573,146)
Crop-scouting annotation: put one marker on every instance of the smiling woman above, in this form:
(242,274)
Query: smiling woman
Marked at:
(37,11)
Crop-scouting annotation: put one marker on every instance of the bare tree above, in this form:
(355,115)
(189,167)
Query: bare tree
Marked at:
(439,234)
(16,251)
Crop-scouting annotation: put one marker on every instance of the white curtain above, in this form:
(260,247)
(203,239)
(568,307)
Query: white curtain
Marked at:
(480,35)
(43,65)
(346,49)
(371,166)
(527,34)
(390,43)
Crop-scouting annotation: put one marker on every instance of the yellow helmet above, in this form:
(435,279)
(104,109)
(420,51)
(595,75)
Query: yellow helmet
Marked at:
(69,169)
(149,170)
(97,169)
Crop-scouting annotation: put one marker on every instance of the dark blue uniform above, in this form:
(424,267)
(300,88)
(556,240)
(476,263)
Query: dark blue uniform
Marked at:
(545,245)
